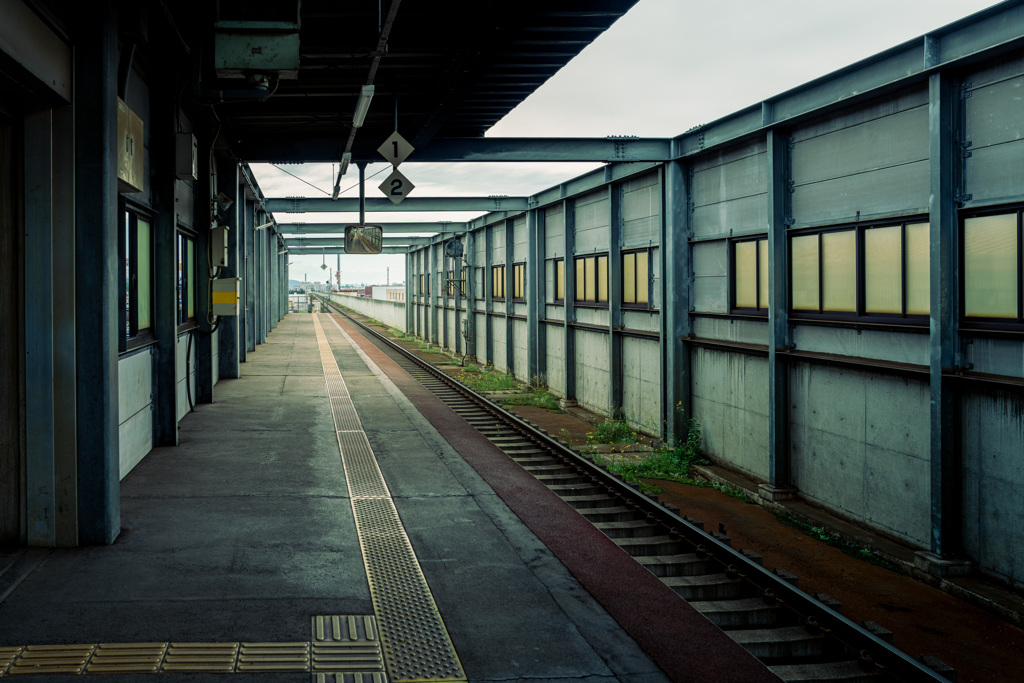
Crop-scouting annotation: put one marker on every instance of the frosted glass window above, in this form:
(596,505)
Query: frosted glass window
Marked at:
(762,273)
(602,278)
(917,275)
(560,280)
(745,266)
(990,267)
(145,274)
(883,274)
(839,271)
(805,273)
(519,271)
(629,278)
(642,277)
(581,279)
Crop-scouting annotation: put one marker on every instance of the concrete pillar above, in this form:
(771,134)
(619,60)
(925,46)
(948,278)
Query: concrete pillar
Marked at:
(97,306)
(676,283)
(779,472)
(40,475)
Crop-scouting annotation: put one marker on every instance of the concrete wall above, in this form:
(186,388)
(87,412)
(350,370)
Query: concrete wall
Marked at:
(391,313)
(135,407)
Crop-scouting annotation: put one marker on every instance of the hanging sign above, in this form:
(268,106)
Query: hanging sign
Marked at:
(396,186)
(395,149)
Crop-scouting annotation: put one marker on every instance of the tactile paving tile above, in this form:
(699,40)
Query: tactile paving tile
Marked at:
(346,644)
(270,657)
(127,658)
(414,640)
(51,659)
(7,657)
(200,658)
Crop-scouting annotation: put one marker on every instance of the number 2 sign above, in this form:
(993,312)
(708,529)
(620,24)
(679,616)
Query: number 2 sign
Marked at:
(396,186)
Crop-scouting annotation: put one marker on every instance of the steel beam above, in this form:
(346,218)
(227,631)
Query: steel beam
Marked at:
(382,204)
(228,329)
(299,251)
(340,242)
(601,150)
(97,314)
(389,228)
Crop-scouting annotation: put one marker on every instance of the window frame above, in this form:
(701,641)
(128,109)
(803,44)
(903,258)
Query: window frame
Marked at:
(581,283)
(559,282)
(128,250)
(187,281)
(519,282)
(979,322)
(498,282)
(860,313)
(747,310)
(634,305)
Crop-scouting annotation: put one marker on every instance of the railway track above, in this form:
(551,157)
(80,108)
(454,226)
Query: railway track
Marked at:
(798,636)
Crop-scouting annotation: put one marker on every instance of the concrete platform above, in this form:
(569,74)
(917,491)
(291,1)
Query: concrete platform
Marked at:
(245,531)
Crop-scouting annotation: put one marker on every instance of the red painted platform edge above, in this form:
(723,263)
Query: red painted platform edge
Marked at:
(677,637)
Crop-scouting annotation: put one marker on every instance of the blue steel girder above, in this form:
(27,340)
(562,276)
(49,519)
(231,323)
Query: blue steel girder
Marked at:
(298,251)
(380,204)
(340,241)
(389,228)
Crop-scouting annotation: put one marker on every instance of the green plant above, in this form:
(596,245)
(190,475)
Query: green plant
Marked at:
(613,431)
(672,461)
(536,397)
(825,536)
(488,380)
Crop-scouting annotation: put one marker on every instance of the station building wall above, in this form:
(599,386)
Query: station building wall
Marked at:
(844,299)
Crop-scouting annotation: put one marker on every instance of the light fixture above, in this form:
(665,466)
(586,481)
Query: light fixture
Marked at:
(265,225)
(283,251)
(359,115)
(346,159)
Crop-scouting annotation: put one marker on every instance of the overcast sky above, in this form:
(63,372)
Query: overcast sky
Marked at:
(664,67)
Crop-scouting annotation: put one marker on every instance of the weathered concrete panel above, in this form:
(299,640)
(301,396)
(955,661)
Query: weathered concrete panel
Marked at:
(497,245)
(885,192)
(710,277)
(732,329)
(481,339)
(592,316)
(993,478)
(860,445)
(554,231)
(182,395)
(995,172)
(135,439)
(592,222)
(730,403)
(555,349)
(553,312)
(743,216)
(391,313)
(742,177)
(520,351)
(641,211)
(519,239)
(643,321)
(641,383)
(592,376)
(996,356)
(896,347)
(500,360)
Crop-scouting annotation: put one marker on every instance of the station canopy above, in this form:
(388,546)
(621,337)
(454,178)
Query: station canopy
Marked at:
(442,73)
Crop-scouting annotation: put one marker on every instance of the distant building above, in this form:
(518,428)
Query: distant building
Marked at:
(386,293)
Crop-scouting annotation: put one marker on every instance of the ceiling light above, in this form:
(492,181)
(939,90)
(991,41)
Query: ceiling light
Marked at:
(365,95)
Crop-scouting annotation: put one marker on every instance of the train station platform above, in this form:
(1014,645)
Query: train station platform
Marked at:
(413,551)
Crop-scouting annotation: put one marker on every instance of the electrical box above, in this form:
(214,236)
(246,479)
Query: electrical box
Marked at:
(186,156)
(219,246)
(256,38)
(130,154)
(225,295)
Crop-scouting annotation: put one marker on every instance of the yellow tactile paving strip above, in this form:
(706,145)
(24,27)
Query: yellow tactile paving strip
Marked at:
(416,644)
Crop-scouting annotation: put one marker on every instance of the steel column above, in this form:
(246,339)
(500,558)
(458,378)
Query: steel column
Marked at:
(249,291)
(409,322)
(676,284)
(569,271)
(779,473)
(471,294)
(614,299)
(535,294)
(510,245)
(203,336)
(433,312)
(946,497)
(489,292)
(228,332)
(97,308)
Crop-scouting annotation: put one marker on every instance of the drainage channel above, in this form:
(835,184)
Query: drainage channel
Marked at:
(800,637)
